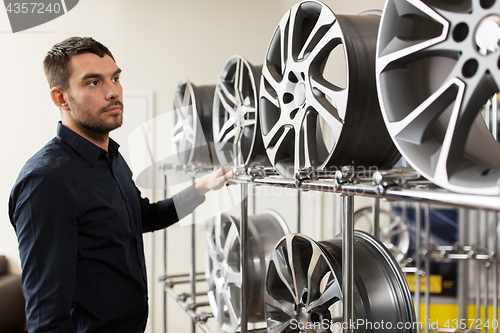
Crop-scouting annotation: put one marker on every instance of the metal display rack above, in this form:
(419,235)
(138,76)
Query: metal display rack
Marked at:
(398,184)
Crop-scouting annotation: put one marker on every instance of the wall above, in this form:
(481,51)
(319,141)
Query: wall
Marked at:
(156,43)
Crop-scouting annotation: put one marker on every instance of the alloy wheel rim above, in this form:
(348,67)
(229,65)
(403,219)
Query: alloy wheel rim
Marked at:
(443,60)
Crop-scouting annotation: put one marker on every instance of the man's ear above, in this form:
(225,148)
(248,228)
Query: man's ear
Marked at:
(59,98)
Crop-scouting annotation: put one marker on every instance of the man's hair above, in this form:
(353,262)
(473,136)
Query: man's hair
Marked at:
(56,63)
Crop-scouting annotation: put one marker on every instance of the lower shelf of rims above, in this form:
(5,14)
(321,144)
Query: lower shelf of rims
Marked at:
(397,184)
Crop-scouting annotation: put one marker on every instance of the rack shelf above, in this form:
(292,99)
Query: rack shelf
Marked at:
(398,184)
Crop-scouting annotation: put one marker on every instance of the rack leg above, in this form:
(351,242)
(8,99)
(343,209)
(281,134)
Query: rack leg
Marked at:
(298,212)
(165,265)
(427,267)
(376,218)
(478,267)
(243,256)
(495,273)
(348,261)
(192,274)
(463,265)
(418,259)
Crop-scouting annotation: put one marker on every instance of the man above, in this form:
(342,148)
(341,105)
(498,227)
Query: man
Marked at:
(78,215)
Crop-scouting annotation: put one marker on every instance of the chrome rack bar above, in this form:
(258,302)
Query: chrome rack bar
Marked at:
(460,253)
(344,183)
(190,308)
(348,262)
(192,273)
(243,256)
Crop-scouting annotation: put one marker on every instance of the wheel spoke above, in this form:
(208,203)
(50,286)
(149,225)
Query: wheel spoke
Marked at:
(266,76)
(225,97)
(331,295)
(217,231)
(234,278)
(178,137)
(235,317)
(231,240)
(281,305)
(177,126)
(413,127)
(305,142)
(272,151)
(248,122)
(326,18)
(398,48)
(282,265)
(178,101)
(446,149)
(394,224)
(238,82)
(338,99)
(228,125)
(275,326)
(334,34)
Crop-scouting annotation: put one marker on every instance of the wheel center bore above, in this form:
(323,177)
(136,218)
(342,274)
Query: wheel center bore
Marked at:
(240,115)
(302,315)
(299,94)
(487,35)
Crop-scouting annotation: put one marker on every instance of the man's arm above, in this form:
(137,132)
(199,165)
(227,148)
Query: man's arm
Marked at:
(169,211)
(45,222)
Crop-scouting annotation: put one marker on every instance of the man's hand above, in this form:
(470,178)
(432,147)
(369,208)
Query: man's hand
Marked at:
(215,180)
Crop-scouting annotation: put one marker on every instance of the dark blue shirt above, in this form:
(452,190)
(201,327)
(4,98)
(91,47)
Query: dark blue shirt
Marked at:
(79,220)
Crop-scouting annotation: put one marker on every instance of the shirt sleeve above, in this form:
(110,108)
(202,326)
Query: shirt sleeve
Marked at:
(45,221)
(169,211)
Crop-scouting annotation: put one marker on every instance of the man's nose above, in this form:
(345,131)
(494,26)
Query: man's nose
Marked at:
(113,90)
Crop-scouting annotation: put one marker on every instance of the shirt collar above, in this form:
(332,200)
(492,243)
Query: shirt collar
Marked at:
(84,147)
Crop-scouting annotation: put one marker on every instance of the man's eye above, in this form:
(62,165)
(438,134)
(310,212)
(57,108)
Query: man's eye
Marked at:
(93,83)
(116,79)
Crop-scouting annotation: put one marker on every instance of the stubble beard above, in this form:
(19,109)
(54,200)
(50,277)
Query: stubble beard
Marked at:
(90,121)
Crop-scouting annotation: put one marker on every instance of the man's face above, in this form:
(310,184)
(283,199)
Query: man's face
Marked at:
(95,94)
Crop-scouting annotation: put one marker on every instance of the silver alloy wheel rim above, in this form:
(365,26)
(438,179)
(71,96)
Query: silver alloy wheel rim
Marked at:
(437,65)
(394,231)
(303,286)
(309,121)
(192,128)
(222,265)
(236,128)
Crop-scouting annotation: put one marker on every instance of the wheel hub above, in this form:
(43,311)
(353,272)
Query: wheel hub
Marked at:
(302,315)
(487,35)
(300,94)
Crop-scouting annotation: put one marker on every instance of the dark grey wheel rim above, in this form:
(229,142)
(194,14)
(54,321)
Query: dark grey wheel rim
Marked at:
(302,285)
(307,120)
(437,65)
(222,265)
(394,231)
(236,127)
(192,124)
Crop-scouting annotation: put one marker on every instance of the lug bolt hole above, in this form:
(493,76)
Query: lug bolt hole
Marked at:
(287,98)
(460,32)
(304,298)
(315,317)
(487,3)
(470,68)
